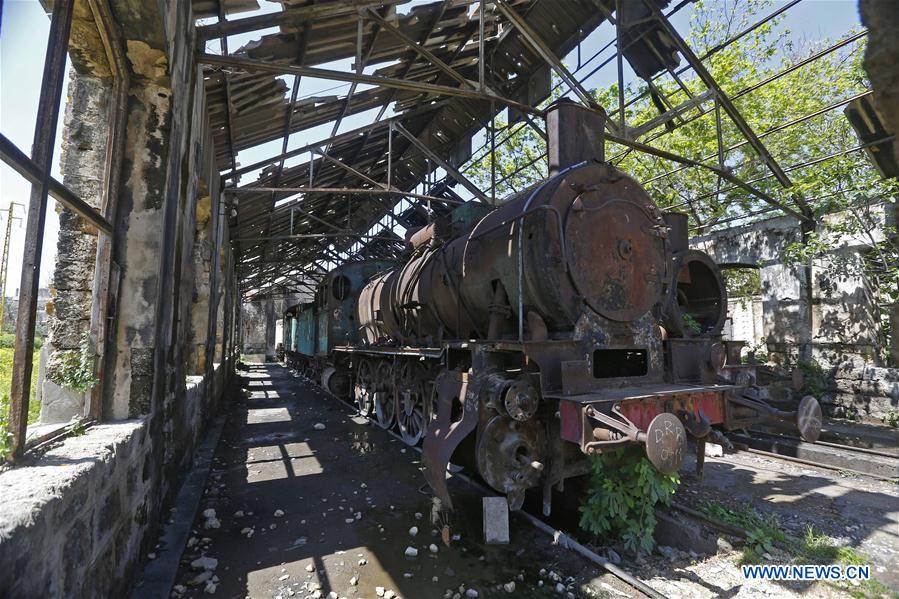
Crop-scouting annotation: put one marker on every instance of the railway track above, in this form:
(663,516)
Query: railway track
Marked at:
(559,537)
(862,461)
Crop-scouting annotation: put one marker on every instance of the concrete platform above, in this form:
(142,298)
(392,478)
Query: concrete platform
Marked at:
(329,506)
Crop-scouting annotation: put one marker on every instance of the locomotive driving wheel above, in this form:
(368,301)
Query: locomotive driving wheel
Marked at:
(364,389)
(385,406)
(410,408)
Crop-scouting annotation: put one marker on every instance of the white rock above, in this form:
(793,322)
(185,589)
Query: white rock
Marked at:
(238,514)
(319,426)
(379,591)
(210,513)
(200,578)
(316,594)
(471,593)
(362,562)
(413,531)
(349,520)
(204,563)
(713,450)
(509,587)
(151,556)
(411,552)
(332,595)
(210,588)
(389,594)
(310,568)
(279,513)
(433,548)
(284,577)
(192,541)
(179,588)
(354,581)
(212,523)
(418,516)
(560,588)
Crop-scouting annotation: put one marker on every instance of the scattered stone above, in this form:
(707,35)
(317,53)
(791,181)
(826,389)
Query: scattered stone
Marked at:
(418,515)
(411,552)
(200,578)
(332,595)
(724,546)
(362,562)
(435,579)
(379,591)
(284,577)
(279,513)
(667,552)
(471,593)
(209,513)
(389,595)
(316,594)
(713,450)
(151,556)
(204,563)
(210,588)
(212,523)
(413,531)
(349,520)
(560,588)
(433,548)
(310,568)
(238,514)
(179,588)
(319,426)
(509,587)
(192,541)
(354,581)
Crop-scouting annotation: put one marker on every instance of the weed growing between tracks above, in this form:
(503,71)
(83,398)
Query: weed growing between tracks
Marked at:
(624,490)
(767,542)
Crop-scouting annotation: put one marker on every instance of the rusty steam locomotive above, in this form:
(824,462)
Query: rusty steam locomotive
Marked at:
(572,319)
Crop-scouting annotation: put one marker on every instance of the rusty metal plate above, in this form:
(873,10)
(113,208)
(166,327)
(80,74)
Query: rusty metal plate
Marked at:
(666,443)
(809,418)
(616,256)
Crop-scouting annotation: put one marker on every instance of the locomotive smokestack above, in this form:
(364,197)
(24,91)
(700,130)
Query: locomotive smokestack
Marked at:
(574,134)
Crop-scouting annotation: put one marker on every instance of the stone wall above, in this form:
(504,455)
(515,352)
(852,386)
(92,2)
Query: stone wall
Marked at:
(823,312)
(90,505)
(96,500)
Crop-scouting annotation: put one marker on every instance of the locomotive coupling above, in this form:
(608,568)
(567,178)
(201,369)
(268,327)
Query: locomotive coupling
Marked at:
(748,407)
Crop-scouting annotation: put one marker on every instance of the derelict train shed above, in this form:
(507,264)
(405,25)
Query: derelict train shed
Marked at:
(196,171)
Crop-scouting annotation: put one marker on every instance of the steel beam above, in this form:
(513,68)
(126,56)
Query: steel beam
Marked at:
(546,53)
(723,98)
(31,171)
(455,174)
(290,16)
(263,66)
(723,173)
(336,190)
(42,156)
(421,50)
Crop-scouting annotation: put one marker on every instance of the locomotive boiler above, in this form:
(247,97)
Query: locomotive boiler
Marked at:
(569,320)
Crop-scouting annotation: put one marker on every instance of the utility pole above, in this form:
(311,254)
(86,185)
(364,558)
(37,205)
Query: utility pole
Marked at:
(4,261)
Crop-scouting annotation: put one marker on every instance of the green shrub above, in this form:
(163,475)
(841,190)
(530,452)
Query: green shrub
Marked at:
(624,490)
(77,372)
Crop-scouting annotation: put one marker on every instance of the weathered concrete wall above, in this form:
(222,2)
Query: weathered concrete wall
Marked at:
(744,320)
(837,328)
(96,501)
(258,327)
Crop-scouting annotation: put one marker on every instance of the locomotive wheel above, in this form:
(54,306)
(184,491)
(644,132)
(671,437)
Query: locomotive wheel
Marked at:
(385,406)
(364,389)
(410,414)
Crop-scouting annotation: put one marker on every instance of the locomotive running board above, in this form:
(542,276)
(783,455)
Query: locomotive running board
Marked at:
(443,435)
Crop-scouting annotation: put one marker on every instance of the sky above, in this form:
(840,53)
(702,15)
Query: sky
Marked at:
(23,40)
